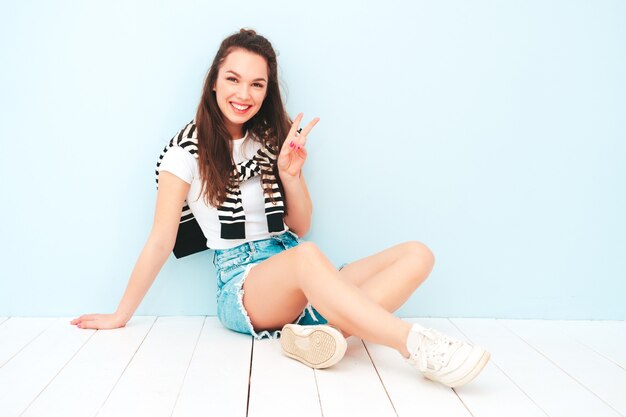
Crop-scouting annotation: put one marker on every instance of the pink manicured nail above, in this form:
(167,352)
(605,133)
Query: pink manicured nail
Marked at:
(298,148)
(291,144)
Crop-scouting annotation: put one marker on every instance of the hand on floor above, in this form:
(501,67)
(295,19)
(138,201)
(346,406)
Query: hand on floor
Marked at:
(99,321)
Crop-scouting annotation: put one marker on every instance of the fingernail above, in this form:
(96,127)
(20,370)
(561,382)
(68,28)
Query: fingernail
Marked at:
(298,148)
(291,144)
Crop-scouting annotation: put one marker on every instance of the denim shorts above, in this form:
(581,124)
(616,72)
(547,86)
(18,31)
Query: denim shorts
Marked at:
(232,267)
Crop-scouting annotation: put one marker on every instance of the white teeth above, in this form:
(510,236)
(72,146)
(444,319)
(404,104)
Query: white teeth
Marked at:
(238,107)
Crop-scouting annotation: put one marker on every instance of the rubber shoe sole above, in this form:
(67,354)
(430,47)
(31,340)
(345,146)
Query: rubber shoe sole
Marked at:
(318,346)
(458,378)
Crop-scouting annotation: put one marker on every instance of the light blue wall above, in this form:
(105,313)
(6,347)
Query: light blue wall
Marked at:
(492,131)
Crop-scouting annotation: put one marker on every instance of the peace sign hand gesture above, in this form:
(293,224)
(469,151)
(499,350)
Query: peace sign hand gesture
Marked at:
(292,155)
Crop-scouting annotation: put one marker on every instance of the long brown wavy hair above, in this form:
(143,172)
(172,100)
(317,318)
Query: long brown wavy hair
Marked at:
(270,124)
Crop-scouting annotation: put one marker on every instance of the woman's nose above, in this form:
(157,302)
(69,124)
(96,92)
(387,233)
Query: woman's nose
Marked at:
(243,92)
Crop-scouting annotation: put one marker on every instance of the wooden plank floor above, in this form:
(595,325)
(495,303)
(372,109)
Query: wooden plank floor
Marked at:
(192,366)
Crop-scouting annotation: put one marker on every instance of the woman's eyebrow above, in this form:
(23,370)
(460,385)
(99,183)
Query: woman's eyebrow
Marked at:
(256,79)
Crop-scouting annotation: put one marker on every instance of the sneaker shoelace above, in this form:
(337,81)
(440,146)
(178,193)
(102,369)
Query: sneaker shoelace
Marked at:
(435,349)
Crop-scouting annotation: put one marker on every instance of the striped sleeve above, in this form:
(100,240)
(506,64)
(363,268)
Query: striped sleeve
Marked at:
(179,162)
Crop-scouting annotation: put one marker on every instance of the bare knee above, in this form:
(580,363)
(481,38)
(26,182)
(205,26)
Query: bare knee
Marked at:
(420,253)
(308,258)
(307,252)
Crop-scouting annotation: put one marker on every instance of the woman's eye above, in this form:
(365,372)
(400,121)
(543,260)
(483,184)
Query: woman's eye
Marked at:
(231,79)
(258,85)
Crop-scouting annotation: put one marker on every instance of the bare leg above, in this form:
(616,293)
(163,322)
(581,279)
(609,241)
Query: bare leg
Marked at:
(354,301)
(277,290)
(391,276)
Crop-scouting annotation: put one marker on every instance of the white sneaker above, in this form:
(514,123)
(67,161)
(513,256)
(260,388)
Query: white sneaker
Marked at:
(444,359)
(318,346)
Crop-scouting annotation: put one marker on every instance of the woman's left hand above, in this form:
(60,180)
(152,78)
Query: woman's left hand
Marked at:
(292,155)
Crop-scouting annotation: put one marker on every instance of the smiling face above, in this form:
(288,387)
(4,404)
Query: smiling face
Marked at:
(240,88)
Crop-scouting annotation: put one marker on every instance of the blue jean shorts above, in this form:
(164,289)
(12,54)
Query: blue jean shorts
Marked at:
(232,267)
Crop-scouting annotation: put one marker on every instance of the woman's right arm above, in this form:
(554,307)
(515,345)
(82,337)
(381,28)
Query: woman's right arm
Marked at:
(170,199)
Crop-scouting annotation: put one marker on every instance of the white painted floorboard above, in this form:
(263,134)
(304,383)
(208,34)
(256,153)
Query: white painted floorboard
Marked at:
(599,375)
(27,374)
(412,394)
(192,366)
(608,338)
(150,384)
(492,393)
(218,375)
(280,386)
(554,391)
(343,387)
(82,386)
(16,333)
